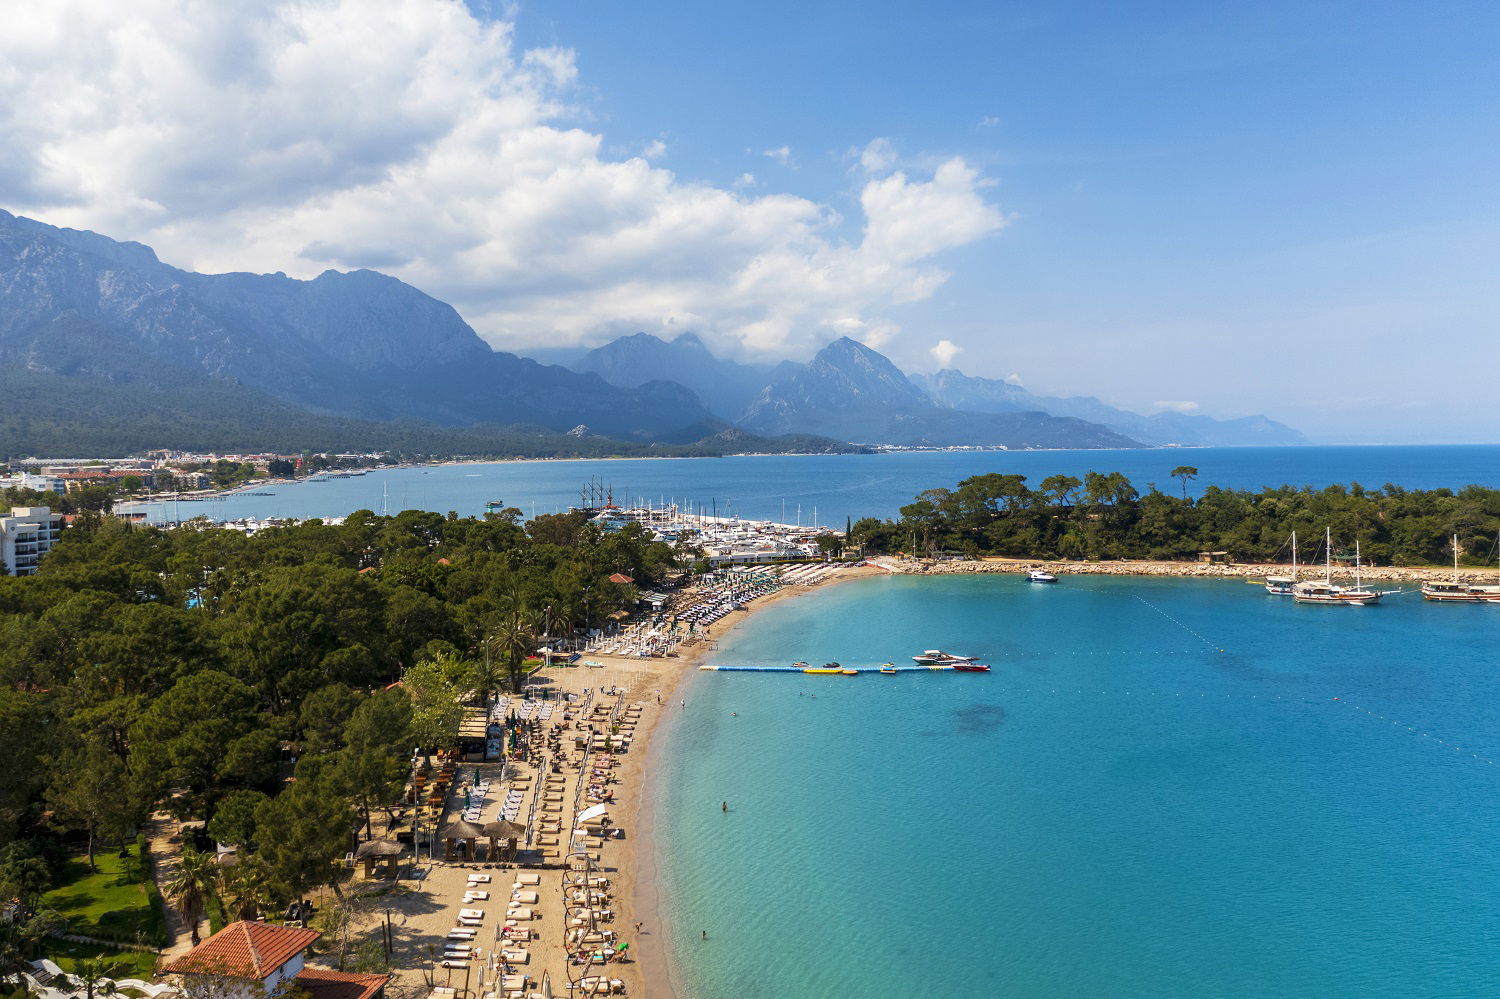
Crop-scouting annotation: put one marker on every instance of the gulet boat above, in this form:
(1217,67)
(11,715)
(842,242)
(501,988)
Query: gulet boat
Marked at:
(1457,592)
(1327,592)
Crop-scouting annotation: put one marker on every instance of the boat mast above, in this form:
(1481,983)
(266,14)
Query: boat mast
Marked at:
(1294,556)
(1455,559)
(1328,555)
(1356,563)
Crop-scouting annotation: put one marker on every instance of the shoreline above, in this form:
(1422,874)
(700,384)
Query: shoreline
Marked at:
(1183,570)
(655,973)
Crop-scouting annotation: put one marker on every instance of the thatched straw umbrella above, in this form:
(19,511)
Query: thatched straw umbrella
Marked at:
(378,851)
(503,830)
(461,830)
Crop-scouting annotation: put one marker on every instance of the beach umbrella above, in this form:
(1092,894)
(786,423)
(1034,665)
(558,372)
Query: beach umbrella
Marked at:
(504,829)
(592,812)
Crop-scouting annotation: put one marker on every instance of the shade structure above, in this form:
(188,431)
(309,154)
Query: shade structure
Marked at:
(504,829)
(592,812)
(378,848)
(462,829)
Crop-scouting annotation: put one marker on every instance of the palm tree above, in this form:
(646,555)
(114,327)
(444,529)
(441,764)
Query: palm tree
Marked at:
(92,972)
(517,637)
(195,881)
(249,886)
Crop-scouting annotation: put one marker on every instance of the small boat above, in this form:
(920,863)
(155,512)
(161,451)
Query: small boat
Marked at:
(1040,576)
(971,667)
(850,672)
(888,668)
(937,657)
(829,668)
(799,665)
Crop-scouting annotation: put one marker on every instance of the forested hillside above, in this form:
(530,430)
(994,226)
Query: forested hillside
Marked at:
(1104,516)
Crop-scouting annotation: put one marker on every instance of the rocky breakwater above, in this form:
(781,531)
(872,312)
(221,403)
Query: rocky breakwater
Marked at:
(1205,570)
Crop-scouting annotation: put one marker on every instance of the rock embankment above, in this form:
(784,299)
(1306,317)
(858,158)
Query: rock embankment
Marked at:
(934,567)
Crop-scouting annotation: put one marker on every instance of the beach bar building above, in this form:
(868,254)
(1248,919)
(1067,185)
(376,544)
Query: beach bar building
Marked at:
(248,960)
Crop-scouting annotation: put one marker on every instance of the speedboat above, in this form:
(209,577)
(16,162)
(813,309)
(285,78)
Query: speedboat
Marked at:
(1040,576)
(937,657)
(850,672)
(971,667)
(829,668)
(888,668)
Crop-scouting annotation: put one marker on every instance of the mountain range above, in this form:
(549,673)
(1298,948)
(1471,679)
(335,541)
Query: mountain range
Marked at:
(98,337)
(853,392)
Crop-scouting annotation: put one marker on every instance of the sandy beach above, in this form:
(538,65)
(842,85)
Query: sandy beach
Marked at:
(1186,570)
(424,908)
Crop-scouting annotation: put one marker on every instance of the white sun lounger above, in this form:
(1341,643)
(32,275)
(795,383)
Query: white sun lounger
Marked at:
(524,897)
(479,879)
(528,880)
(476,896)
(471,913)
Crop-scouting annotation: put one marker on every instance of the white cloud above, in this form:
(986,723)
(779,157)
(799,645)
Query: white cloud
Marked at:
(298,135)
(943,352)
(877,156)
(1176,407)
(781,154)
(1014,379)
(745,180)
(655,149)
(989,121)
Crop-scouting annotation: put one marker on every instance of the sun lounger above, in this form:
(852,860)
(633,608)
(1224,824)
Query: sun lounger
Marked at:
(476,923)
(479,879)
(461,934)
(524,897)
(515,956)
(471,913)
(529,880)
(518,912)
(456,963)
(476,896)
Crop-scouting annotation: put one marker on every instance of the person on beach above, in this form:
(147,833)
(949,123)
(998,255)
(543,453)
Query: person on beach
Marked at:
(705,934)
(724,806)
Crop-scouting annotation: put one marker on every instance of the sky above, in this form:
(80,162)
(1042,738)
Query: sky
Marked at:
(1279,207)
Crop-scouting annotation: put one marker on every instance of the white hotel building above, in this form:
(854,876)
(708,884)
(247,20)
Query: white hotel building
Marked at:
(25,536)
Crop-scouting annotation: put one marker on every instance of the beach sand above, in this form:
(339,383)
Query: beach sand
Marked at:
(426,905)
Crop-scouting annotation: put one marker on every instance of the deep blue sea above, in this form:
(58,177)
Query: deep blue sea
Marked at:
(833,487)
(1164,788)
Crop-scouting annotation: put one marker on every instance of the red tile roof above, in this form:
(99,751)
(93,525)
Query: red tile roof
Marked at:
(620,577)
(321,983)
(244,950)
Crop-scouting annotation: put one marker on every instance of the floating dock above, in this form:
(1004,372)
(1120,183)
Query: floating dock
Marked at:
(801,669)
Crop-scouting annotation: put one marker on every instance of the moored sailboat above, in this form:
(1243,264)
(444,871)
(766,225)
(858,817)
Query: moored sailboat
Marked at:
(1282,585)
(1330,593)
(1458,592)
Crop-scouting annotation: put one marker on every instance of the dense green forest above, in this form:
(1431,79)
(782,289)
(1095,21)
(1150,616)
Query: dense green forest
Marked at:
(61,417)
(1104,516)
(144,669)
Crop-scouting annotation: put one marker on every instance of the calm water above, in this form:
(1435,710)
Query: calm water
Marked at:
(1118,809)
(834,486)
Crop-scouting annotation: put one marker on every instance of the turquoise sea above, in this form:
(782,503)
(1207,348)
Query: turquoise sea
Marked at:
(830,487)
(1163,788)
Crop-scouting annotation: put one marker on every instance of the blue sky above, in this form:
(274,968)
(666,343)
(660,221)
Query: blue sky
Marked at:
(1228,208)
(1307,191)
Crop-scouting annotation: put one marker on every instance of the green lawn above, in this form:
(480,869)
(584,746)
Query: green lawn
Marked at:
(113,903)
(129,963)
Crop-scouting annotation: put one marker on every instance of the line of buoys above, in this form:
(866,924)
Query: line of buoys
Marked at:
(1413,729)
(1179,624)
